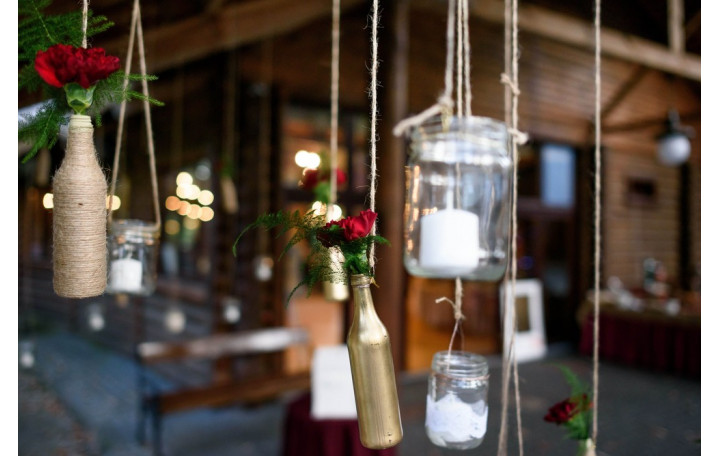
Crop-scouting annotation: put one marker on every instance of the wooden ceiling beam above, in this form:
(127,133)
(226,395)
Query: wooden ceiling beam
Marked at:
(228,27)
(577,32)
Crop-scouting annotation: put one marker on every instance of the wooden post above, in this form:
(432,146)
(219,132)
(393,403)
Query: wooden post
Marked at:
(391,276)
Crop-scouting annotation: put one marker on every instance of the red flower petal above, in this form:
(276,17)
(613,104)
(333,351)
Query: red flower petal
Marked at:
(45,69)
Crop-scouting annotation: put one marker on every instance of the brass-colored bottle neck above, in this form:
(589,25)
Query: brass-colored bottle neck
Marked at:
(360,281)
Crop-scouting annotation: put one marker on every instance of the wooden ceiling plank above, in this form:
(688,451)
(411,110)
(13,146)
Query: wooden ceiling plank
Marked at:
(692,26)
(577,32)
(233,25)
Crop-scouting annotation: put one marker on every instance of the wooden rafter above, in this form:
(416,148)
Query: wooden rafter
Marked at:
(576,32)
(624,91)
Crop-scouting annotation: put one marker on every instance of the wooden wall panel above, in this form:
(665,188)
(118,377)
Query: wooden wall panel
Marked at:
(634,232)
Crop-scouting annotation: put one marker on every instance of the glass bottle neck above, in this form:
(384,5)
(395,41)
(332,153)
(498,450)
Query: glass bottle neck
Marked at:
(362,297)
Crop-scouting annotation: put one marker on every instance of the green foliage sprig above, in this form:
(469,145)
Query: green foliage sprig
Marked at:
(351,236)
(38,31)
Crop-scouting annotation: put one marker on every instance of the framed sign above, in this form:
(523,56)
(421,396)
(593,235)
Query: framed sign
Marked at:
(530,341)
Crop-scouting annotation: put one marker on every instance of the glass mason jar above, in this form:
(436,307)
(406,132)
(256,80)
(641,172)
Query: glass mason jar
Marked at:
(457,409)
(133,255)
(457,212)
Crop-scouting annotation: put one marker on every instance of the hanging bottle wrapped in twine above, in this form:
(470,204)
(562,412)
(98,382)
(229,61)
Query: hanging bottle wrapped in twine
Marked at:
(79,216)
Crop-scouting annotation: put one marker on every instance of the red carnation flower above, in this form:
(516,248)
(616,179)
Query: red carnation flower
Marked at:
(63,64)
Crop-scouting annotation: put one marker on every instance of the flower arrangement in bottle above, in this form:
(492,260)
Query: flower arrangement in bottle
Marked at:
(351,235)
(72,78)
(574,413)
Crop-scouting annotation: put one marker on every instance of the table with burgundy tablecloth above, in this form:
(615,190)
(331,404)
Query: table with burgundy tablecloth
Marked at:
(306,436)
(646,339)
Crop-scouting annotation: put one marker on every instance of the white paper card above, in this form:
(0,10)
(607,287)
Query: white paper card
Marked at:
(331,384)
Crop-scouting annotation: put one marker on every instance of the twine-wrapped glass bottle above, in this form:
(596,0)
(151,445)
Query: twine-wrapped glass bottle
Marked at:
(457,212)
(457,409)
(373,375)
(133,256)
(79,216)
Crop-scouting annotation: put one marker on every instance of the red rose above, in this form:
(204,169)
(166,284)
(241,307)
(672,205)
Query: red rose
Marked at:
(62,64)
(561,412)
(312,177)
(341,177)
(328,238)
(358,226)
(309,179)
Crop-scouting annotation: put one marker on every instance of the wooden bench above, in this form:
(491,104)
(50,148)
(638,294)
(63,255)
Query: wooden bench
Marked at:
(253,390)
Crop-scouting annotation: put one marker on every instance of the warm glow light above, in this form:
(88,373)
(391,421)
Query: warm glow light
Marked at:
(313,160)
(184,208)
(182,191)
(191,223)
(318,207)
(206,197)
(301,158)
(336,212)
(48,201)
(305,159)
(184,178)
(206,214)
(115,202)
(194,211)
(193,191)
(172,227)
(172,203)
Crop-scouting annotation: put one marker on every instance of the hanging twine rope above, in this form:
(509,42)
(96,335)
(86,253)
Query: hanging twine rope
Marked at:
(373,126)
(136,28)
(334,96)
(79,236)
(85,8)
(444,104)
(598,189)
(512,94)
(457,311)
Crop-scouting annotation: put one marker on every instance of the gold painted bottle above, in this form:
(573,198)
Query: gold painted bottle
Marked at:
(373,374)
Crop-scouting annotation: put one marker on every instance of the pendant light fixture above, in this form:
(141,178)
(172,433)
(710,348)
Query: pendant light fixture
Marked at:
(673,145)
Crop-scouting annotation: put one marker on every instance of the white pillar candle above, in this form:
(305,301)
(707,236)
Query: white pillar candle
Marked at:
(126,275)
(450,240)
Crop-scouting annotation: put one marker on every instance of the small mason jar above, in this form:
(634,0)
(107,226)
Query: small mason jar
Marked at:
(457,409)
(133,254)
(457,212)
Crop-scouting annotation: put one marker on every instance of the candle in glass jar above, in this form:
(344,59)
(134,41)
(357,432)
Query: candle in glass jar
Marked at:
(450,239)
(126,275)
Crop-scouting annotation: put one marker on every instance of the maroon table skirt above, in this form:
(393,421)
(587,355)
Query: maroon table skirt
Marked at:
(651,342)
(305,436)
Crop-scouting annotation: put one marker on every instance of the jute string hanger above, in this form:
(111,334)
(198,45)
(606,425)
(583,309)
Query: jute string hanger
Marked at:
(512,93)
(136,30)
(79,211)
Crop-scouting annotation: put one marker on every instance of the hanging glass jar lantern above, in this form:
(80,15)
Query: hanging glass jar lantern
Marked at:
(457,408)
(133,256)
(457,212)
